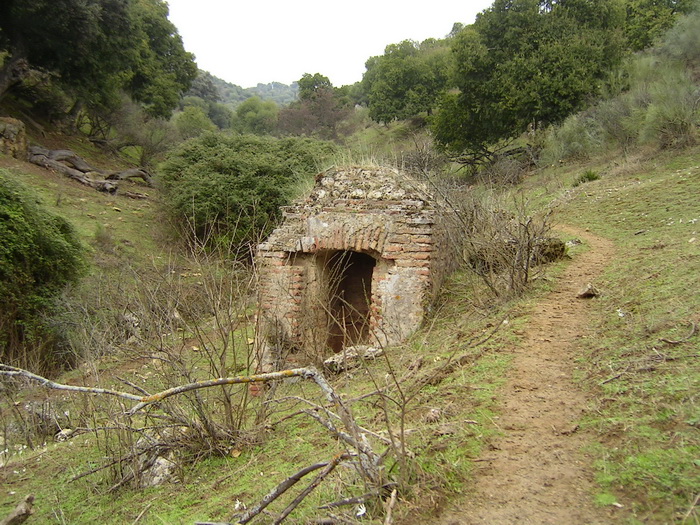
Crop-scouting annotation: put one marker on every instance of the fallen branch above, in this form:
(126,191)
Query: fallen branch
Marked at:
(283,487)
(7,370)
(315,483)
(133,173)
(369,461)
(360,499)
(75,167)
(691,509)
(693,328)
(21,512)
(388,519)
(144,401)
(43,157)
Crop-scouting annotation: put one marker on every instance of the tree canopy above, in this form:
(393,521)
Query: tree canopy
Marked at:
(527,62)
(96,48)
(256,116)
(407,79)
(318,111)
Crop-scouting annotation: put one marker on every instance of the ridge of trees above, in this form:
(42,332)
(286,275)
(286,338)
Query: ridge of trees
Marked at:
(214,89)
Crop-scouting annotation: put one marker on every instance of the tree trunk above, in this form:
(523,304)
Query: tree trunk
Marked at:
(133,173)
(44,157)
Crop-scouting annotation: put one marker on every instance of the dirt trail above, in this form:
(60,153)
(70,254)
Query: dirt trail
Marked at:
(536,472)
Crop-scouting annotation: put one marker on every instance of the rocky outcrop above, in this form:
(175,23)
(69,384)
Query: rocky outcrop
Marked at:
(13,138)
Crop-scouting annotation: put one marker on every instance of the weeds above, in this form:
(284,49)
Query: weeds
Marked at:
(586,176)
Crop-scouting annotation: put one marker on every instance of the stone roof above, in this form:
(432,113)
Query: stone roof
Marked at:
(380,185)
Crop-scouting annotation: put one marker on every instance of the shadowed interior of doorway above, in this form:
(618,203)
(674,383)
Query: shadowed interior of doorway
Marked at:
(348,280)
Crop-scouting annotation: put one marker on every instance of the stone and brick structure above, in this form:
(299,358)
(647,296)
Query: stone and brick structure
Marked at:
(355,263)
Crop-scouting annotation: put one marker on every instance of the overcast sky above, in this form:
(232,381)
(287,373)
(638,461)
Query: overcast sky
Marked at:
(247,42)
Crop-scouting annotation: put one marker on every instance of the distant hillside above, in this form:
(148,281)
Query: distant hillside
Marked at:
(233,95)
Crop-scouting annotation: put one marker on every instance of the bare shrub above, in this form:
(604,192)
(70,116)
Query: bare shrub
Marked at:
(424,159)
(505,170)
(495,235)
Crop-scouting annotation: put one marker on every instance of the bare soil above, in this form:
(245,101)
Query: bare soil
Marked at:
(537,471)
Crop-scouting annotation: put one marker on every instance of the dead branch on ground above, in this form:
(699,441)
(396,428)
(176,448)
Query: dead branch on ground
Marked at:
(693,328)
(353,435)
(75,167)
(21,512)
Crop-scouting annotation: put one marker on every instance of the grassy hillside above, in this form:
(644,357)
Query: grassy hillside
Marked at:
(441,389)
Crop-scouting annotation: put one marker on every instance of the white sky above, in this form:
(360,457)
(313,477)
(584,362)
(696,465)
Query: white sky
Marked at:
(247,42)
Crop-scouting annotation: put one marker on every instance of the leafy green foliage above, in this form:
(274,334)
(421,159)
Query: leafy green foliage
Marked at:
(97,48)
(648,20)
(657,105)
(204,87)
(277,92)
(229,188)
(407,80)
(526,62)
(256,116)
(160,70)
(39,256)
(192,122)
(232,95)
(83,41)
(310,84)
(204,94)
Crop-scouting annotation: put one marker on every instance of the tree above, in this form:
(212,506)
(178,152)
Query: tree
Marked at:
(95,48)
(256,116)
(203,86)
(82,41)
(648,20)
(309,85)
(192,122)
(318,111)
(527,62)
(407,80)
(161,70)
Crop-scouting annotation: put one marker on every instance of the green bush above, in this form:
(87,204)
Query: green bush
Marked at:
(580,137)
(673,116)
(228,189)
(586,176)
(39,256)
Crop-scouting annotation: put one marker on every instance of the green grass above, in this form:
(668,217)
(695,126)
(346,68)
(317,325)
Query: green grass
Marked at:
(646,390)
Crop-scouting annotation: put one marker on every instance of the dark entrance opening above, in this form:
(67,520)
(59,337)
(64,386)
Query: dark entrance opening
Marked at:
(349,278)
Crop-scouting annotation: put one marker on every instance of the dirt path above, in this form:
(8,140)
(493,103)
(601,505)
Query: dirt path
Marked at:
(536,472)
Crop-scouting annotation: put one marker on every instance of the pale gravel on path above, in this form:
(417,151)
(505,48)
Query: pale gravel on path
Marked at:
(537,472)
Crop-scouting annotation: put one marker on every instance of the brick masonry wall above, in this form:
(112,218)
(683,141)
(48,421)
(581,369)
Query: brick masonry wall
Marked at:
(375,211)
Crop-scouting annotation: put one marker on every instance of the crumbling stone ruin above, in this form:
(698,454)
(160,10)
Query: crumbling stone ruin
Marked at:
(355,263)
